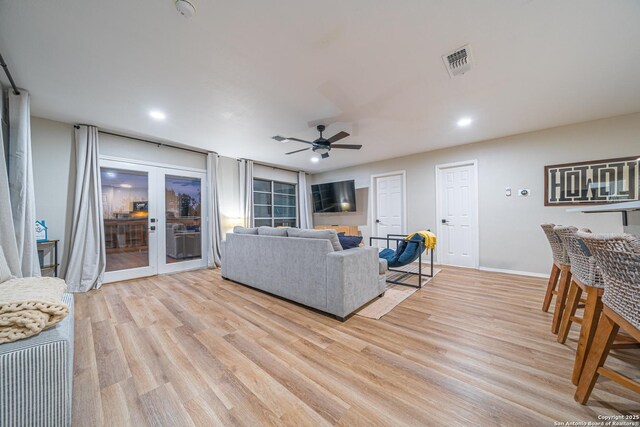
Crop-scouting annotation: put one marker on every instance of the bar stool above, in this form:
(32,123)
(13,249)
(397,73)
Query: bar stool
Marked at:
(560,276)
(585,277)
(618,256)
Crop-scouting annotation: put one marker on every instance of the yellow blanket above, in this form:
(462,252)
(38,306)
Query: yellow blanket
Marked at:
(429,238)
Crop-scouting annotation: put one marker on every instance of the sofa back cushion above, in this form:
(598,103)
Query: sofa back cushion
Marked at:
(329,235)
(5,273)
(272,231)
(244,230)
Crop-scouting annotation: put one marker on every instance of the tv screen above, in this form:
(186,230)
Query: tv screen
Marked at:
(334,197)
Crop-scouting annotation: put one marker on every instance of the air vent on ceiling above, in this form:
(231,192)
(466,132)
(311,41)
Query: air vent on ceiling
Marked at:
(458,62)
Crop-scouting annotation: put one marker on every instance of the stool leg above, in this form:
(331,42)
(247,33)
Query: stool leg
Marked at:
(561,298)
(553,281)
(606,333)
(592,311)
(572,304)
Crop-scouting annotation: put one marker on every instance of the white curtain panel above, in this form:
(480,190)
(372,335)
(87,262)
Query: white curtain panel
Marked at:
(246,191)
(215,256)
(7,231)
(303,201)
(87,253)
(22,193)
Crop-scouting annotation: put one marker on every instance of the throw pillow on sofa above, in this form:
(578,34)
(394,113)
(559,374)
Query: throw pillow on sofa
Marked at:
(272,231)
(329,235)
(349,242)
(244,230)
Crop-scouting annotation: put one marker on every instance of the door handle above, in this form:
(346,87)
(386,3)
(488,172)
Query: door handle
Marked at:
(377,221)
(444,221)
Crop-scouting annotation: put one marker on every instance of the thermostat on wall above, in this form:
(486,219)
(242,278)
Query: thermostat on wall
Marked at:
(524,192)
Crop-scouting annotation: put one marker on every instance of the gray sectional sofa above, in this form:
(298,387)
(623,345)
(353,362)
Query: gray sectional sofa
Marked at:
(305,266)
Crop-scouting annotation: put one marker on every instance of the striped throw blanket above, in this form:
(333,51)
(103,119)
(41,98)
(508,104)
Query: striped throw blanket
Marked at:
(29,306)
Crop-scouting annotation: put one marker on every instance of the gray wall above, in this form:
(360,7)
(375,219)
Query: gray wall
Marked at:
(510,236)
(53,176)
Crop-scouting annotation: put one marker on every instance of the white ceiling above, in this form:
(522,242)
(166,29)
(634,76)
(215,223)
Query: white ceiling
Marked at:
(240,72)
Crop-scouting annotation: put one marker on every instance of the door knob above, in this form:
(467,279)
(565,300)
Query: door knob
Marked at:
(377,221)
(444,221)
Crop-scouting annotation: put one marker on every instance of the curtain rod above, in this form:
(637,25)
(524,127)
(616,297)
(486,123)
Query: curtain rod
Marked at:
(272,166)
(8,73)
(159,144)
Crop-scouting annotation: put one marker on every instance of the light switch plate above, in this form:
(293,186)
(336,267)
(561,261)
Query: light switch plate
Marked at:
(507,191)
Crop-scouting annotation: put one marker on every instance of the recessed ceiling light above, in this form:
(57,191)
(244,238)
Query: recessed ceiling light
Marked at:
(315,159)
(125,185)
(158,115)
(464,122)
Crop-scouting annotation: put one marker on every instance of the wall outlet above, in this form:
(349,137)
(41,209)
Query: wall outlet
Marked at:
(524,192)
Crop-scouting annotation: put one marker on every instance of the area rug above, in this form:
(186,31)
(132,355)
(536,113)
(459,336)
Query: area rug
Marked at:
(395,294)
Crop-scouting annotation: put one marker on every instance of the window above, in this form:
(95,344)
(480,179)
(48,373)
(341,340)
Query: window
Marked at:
(274,204)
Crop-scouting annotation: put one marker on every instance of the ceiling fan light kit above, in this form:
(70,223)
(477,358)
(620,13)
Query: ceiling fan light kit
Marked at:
(321,145)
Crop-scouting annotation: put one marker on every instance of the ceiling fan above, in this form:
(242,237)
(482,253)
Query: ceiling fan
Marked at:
(321,145)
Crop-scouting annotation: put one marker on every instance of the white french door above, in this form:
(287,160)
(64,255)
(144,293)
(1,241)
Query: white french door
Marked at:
(457,210)
(154,219)
(388,206)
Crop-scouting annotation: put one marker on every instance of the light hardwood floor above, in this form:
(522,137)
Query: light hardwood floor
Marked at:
(471,348)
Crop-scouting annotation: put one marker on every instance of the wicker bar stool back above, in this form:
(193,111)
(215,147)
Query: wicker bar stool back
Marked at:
(585,277)
(560,276)
(618,256)
(583,265)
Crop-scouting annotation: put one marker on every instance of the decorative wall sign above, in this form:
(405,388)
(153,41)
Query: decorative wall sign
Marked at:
(592,182)
(42,231)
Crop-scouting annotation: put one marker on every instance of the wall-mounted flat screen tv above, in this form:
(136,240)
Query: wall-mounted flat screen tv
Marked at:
(334,197)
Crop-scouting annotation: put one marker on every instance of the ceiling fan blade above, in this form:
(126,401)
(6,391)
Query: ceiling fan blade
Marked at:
(297,151)
(338,136)
(347,146)
(300,140)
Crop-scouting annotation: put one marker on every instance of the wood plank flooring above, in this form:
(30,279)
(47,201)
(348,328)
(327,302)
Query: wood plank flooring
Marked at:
(471,348)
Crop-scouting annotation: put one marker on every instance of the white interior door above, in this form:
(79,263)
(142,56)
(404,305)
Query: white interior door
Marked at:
(389,206)
(457,197)
(129,205)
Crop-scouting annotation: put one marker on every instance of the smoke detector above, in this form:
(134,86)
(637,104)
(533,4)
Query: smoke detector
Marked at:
(458,61)
(186,8)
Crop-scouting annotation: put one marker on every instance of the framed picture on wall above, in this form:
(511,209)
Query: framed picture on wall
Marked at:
(592,182)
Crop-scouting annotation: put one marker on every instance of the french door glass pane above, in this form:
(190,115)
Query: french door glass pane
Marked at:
(183,218)
(125,203)
(261,222)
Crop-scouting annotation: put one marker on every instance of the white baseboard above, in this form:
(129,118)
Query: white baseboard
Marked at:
(516,272)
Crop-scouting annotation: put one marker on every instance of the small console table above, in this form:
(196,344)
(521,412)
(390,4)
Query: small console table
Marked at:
(52,265)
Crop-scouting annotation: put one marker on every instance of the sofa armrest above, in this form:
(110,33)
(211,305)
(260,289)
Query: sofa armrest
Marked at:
(352,279)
